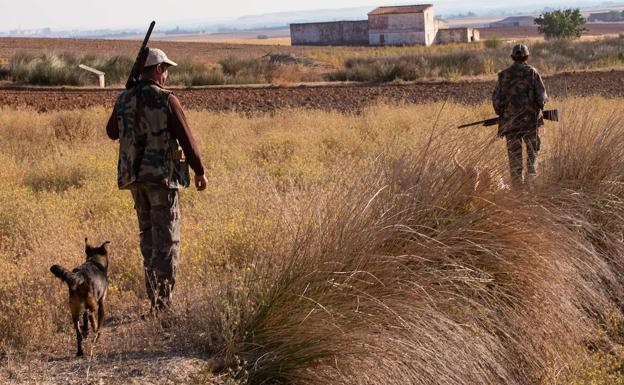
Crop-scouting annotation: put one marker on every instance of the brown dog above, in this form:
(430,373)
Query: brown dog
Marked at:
(87,289)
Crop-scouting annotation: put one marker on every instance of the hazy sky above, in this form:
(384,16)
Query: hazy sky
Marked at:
(131,13)
(86,14)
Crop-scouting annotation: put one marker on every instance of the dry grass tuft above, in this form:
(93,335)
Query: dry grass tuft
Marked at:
(338,248)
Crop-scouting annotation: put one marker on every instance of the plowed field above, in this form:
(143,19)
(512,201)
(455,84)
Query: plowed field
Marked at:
(346,98)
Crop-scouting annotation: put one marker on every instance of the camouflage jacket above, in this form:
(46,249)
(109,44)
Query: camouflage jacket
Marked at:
(518,98)
(147,150)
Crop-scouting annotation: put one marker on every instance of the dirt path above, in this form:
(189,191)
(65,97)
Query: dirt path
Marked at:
(124,368)
(346,98)
(129,352)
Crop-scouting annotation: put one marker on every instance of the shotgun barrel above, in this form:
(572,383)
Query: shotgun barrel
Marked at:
(552,115)
(139,63)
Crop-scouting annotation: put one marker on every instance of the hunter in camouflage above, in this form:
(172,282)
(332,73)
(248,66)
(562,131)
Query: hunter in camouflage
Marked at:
(518,99)
(153,137)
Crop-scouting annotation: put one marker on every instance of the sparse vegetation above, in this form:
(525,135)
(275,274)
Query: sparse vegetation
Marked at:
(487,59)
(52,69)
(346,63)
(338,248)
(409,68)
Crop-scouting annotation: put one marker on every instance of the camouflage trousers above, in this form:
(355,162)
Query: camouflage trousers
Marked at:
(514,152)
(158,211)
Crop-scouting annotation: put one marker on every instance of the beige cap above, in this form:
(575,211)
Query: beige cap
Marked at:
(157,56)
(520,50)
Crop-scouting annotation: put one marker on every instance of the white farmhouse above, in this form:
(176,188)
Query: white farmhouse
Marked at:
(409,24)
(400,25)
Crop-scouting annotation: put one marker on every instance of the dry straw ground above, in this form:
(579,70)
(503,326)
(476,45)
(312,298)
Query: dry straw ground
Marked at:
(329,248)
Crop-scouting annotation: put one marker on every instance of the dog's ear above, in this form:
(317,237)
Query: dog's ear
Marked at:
(87,247)
(104,246)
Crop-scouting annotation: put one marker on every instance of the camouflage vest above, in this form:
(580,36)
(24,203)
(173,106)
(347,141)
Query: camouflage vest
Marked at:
(147,150)
(517,99)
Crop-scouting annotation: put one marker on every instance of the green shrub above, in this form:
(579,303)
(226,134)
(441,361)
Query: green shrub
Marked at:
(413,67)
(244,71)
(193,74)
(561,24)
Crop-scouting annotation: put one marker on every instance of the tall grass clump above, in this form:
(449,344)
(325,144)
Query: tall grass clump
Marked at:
(47,69)
(62,69)
(401,268)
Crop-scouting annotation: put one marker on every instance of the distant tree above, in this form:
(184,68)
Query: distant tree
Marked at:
(566,24)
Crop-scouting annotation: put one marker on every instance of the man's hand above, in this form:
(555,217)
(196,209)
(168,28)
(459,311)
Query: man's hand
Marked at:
(201,182)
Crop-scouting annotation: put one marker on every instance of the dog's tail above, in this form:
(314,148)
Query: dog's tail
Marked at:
(72,279)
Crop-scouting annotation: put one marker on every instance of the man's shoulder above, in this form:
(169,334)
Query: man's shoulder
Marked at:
(512,70)
(174,102)
(154,88)
(155,93)
(520,70)
(529,69)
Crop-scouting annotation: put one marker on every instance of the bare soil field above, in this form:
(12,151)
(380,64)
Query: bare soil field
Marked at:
(345,97)
(207,53)
(276,36)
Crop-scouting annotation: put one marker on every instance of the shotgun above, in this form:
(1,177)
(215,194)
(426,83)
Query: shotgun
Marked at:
(139,63)
(552,115)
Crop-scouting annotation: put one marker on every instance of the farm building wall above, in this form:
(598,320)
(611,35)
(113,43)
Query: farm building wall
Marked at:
(330,33)
(606,16)
(457,35)
(400,29)
(441,24)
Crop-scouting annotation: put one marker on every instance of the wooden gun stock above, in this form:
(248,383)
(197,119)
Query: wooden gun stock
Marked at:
(139,63)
